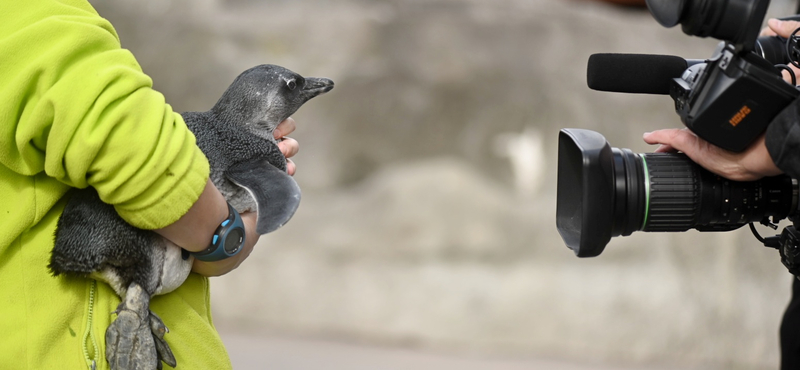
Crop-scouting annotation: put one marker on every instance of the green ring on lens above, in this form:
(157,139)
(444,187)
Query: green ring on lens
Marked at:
(646,192)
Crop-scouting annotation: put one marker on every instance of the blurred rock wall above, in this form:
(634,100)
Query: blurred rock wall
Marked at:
(428,214)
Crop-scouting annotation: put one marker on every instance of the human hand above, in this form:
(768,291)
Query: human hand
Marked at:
(288,146)
(777,27)
(751,164)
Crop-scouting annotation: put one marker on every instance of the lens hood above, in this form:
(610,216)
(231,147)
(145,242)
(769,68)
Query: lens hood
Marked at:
(585,208)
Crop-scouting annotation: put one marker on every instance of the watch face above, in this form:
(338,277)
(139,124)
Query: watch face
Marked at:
(234,240)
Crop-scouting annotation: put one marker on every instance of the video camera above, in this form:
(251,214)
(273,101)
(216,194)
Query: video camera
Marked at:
(728,100)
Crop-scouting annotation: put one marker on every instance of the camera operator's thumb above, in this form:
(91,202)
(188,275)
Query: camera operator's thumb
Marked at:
(780,28)
(751,164)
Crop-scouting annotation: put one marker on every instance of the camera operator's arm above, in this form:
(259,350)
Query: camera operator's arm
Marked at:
(751,164)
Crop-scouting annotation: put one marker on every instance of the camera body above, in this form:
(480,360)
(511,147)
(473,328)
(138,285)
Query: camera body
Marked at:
(730,99)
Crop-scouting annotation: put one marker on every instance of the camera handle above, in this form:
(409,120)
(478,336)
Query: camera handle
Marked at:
(787,244)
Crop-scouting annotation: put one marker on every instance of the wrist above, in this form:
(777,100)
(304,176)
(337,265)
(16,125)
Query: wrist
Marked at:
(763,165)
(222,267)
(227,241)
(196,227)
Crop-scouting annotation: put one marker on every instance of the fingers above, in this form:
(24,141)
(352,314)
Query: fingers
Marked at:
(655,137)
(782,28)
(680,140)
(291,168)
(766,31)
(665,149)
(284,128)
(289,147)
(673,140)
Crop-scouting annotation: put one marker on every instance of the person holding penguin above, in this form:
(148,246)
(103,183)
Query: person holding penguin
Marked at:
(77,111)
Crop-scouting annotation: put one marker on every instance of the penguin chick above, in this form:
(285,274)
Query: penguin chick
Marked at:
(247,167)
(247,114)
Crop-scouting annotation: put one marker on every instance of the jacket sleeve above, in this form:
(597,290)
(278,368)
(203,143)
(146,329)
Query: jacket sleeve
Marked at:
(77,106)
(783,139)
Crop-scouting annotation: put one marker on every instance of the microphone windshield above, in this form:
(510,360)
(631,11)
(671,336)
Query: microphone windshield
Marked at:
(634,73)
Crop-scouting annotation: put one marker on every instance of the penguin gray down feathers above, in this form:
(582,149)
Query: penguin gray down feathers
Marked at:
(236,136)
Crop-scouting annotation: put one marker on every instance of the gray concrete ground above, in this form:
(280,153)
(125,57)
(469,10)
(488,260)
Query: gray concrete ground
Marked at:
(256,352)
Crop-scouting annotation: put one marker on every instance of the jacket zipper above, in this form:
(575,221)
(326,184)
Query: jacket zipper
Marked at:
(88,335)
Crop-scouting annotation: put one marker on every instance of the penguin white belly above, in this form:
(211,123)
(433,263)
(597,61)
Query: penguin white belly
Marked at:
(167,261)
(175,269)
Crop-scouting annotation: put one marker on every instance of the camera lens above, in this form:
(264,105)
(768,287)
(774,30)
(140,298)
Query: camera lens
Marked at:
(685,196)
(736,21)
(605,192)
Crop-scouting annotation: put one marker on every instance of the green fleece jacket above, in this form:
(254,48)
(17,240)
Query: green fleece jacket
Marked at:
(76,110)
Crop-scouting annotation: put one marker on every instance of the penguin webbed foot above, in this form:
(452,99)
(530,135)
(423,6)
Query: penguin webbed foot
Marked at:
(158,329)
(135,339)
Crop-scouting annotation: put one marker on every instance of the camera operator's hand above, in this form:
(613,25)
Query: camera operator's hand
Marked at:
(752,164)
(777,27)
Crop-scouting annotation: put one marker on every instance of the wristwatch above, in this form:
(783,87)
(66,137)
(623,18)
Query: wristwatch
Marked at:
(227,241)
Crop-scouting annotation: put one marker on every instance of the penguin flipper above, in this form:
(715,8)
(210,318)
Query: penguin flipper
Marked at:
(275,192)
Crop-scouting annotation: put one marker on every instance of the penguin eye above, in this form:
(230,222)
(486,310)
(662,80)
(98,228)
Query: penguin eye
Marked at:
(291,84)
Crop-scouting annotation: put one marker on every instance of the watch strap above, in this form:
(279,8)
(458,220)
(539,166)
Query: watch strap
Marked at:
(227,241)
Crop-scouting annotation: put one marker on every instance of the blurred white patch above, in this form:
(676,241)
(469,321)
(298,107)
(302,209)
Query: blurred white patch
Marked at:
(525,150)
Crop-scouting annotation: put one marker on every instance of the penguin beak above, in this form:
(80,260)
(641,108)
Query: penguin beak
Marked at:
(315,86)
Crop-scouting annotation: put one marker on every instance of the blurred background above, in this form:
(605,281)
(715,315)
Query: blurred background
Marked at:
(426,237)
